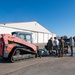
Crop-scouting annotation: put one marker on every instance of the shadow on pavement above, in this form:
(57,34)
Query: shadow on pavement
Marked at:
(3,60)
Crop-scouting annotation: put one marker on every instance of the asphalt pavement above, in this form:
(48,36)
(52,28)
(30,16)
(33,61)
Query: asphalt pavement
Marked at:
(40,66)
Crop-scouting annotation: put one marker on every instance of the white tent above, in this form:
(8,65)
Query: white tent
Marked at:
(39,33)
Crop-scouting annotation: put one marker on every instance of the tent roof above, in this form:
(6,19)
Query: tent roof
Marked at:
(29,26)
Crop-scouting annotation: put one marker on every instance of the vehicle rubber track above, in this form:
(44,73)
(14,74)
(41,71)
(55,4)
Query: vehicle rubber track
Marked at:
(16,56)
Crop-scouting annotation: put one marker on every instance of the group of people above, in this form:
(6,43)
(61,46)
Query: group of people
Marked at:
(59,45)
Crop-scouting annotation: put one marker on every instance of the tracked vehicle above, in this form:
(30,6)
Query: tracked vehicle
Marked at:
(17,46)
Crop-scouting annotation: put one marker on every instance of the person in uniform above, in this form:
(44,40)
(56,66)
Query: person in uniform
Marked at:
(61,45)
(50,46)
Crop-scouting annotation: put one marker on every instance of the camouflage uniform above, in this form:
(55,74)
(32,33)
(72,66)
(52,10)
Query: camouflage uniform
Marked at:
(61,44)
(50,46)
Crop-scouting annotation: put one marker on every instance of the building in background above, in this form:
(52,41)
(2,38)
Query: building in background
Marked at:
(39,33)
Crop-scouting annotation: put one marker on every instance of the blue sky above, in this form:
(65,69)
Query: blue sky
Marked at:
(58,16)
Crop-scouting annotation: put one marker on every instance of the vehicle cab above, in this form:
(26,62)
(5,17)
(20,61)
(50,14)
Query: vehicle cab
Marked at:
(23,35)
